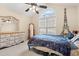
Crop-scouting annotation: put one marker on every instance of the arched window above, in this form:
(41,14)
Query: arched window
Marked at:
(47,22)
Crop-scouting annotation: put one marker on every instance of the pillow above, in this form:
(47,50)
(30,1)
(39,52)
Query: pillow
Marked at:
(74,46)
(70,35)
(77,42)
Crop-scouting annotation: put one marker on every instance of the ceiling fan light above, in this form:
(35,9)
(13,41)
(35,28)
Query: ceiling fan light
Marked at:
(30,8)
(33,10)
(37,9)
(34,7)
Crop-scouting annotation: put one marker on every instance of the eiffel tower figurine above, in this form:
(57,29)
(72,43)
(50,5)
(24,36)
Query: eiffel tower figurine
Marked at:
(65,27)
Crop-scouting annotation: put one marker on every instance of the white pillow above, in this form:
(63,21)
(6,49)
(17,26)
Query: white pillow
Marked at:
(75,38)
(76,43)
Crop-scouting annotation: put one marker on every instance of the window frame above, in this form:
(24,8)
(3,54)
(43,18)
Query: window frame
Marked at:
(46,18)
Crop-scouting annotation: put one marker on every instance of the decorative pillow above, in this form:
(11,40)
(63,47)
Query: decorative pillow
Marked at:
(77,43)
(70,35)
(74,46)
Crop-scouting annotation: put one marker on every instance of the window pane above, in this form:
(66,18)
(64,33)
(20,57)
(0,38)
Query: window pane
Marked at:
(51,31)
(47,23)
(42,23)
(42,31)
(51,22)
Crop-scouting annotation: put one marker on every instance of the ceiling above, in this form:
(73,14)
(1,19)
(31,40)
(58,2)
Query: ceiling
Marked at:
(69,4)
(21,7)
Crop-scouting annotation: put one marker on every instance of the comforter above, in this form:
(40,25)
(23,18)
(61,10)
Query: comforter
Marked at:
(58,43)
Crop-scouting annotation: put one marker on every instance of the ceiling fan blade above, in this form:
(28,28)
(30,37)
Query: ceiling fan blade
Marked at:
(33,4)
(37,12)
(27,10)
(28,3)
(42,6)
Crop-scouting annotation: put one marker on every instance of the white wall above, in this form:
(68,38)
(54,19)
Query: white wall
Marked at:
(71,16)
(5,25)
(23,20)
(78,16)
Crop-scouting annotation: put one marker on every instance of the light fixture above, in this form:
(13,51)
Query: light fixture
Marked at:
(33,7)
(7,21)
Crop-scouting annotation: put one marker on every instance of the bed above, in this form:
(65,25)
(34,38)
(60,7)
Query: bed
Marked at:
(59,43)
(8,39)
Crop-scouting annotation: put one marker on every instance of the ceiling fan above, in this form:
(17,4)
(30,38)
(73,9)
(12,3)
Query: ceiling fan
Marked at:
(34,6)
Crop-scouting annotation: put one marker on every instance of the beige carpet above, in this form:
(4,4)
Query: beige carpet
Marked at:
(28,53)
(18,50)
(22,50)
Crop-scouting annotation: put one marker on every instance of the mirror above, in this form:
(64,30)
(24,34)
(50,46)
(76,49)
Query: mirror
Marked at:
(31,31)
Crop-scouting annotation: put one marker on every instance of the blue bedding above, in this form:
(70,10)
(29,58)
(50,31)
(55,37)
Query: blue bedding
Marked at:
(54,38)
(58,43)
